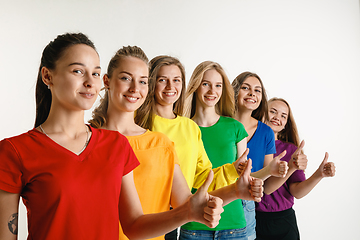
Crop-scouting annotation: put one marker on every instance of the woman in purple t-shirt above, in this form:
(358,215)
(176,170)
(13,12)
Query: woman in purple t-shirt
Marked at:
(275,218)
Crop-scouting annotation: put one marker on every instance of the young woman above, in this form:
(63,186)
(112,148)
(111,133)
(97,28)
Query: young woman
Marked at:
(158,180)
(275,217)
(70,174)
(162,112)
(251,110)
(210,103)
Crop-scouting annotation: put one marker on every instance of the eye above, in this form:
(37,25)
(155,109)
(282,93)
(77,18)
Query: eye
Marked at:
(125,78)
(205,84)
(257,90)
(161,80)
(219,85)
(272,111)
(96,74)
(244,87)
(77,71)
(177,80)
(143,82)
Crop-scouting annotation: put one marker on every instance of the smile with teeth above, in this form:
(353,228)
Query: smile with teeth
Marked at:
(250,100)
(275,123)
(131,99)
(87,95)
(210,97)
(169,94)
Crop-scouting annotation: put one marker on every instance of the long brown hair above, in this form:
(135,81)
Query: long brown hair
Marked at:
(99,115)
(226,104)
(289,133)
(145,114)
(51,54)
(261,113)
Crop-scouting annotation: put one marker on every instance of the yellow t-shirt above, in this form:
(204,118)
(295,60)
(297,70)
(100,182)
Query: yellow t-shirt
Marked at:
(194,162)
(154,176)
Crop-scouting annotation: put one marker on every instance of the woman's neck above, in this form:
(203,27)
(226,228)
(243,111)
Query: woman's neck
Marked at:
(165,111)
(64,120)
(205,116)
(123,122)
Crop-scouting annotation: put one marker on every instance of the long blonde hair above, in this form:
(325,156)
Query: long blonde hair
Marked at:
(226,104)
(145,114)
(99,115)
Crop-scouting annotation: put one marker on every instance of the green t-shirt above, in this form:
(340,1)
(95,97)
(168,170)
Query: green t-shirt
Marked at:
(220,142)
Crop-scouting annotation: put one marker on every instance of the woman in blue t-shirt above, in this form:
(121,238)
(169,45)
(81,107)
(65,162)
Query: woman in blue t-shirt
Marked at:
(251,109)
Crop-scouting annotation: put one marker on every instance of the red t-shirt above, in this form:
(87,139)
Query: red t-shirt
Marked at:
(67,196)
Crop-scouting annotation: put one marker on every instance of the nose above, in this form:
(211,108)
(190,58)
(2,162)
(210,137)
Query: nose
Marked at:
(89,80)
(168,84)
(134,87)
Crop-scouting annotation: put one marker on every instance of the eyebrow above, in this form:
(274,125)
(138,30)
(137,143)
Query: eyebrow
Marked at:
(81,64)
(204,80)
(132,74)
(249,85)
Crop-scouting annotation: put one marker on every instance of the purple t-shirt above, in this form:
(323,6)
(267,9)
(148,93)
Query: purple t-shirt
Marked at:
(281,199)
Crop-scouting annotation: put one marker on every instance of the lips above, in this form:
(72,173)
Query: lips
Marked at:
(249,100)
(87,95)
(131,98)
(169,94)
(211,98)
(275,123)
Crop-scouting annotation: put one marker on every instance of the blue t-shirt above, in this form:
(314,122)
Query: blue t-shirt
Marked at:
(262,143)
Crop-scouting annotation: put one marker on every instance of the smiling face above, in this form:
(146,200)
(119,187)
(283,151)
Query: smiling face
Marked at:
(278,115)
(210,90)
(168,85)
(75,82)
(250,94)
(128,85)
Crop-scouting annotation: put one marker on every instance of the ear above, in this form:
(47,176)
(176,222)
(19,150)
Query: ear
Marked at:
(106,81)
(46,76)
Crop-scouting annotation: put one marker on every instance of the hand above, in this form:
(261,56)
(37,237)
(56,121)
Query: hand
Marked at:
(327,169)
(298,159)
(277,167)
(240,163)
(205,208)
(247,187)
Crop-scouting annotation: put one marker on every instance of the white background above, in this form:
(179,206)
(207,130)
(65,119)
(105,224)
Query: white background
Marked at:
(307,52)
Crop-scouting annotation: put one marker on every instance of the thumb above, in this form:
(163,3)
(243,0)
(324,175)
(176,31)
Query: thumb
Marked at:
(247,170)
(204,188)
(281,155)
(301,146)
(325,159)
(243,157)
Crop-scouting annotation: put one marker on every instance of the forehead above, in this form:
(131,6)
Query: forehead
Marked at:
(280,106)
(132,65)
(80,53)
(252,81)
(212,75)
(170,70)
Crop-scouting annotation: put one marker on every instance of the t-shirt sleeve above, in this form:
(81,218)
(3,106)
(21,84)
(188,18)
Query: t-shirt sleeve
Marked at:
(270,141)
(10,168)
(131,162)
(240,131)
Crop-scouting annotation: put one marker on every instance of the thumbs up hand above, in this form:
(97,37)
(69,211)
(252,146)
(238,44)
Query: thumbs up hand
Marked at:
(298,159)
(277,167)
(205,208)
(327,169)
(247,187)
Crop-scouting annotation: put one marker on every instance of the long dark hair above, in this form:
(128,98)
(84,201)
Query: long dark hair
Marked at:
(51,54)
(261,113)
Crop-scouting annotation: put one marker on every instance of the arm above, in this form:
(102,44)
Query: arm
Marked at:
(180,191)
(246,187)
(301,189)
(9,204)
(200,207)
(298,161)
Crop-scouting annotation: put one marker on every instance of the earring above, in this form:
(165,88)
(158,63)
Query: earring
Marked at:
(48,86)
